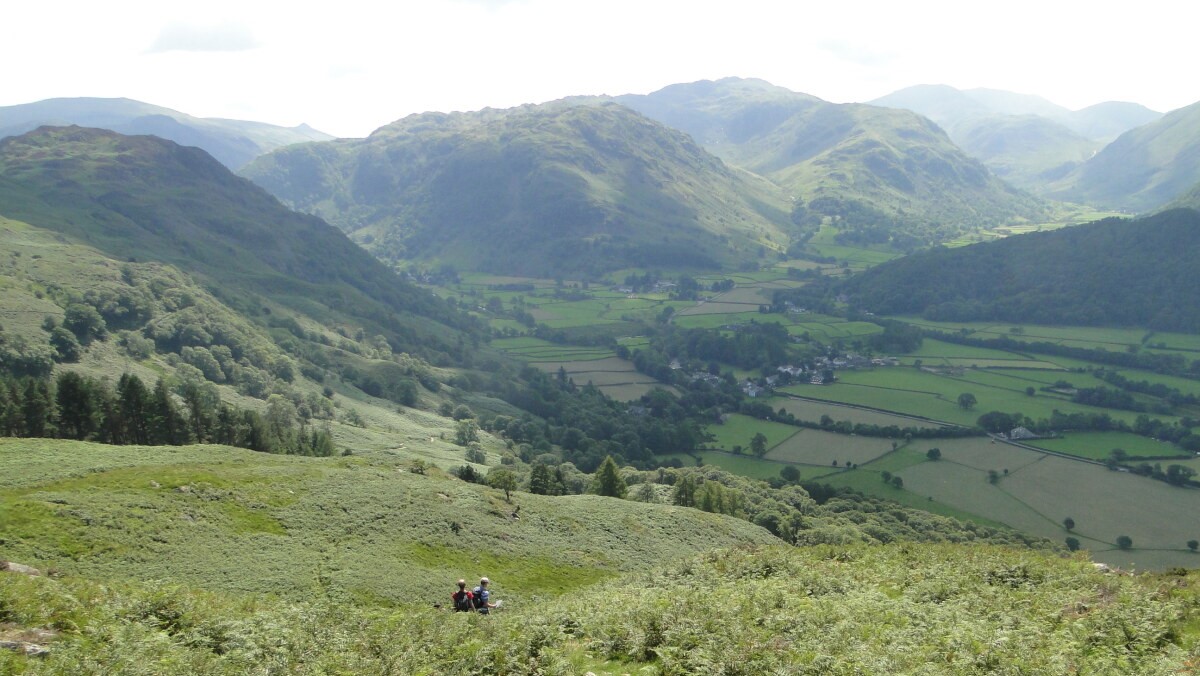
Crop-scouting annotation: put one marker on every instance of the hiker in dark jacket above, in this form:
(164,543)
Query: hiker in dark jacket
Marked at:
(463,600)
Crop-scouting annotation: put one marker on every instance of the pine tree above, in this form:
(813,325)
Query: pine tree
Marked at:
(78,417)
(166,424)
(37,408)
(685,492)
(608,480)
(540,479)
(133,400)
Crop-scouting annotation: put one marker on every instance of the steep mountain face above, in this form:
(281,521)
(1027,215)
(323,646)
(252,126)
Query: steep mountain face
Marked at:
(146,199)
(895,163)
(233,142)
(544,190)
(1145,169)
(1109,273)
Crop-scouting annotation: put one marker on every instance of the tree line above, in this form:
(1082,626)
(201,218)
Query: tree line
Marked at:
(73,406)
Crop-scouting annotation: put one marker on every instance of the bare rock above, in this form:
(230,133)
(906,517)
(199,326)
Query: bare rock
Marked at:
(19,568)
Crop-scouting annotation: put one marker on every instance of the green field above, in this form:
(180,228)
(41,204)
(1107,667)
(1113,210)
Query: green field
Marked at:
(616,377)
(812,411)
(931,395)
(820,448)
(1098,445)
(1039,491)
(738,430)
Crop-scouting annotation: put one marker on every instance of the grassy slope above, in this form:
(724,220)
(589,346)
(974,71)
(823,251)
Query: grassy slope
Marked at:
(357,529)
(825,610)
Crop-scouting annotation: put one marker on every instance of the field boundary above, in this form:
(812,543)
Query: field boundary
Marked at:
(940,423)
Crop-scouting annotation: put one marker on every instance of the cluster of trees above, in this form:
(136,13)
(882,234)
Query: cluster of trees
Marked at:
(72,406)
(587,425)
(1172,396)
(753,345)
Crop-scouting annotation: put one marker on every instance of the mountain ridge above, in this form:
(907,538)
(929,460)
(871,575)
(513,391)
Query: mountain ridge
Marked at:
(232,142)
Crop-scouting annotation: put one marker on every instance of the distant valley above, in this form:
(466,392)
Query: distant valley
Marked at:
(909,358)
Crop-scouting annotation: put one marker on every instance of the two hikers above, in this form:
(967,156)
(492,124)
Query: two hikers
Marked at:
(478,600)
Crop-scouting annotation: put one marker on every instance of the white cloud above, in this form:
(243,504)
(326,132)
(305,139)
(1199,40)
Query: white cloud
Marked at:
(354,65)
(220,37)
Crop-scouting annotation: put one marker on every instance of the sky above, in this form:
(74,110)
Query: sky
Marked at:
(351,66)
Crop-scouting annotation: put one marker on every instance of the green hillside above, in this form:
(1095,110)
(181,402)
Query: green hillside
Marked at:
(538,190)
(847,159)
(1110,273)
(232,142)
(1143,170)
(145,199)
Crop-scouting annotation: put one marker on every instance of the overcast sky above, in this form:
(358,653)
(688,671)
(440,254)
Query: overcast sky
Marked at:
(351,66)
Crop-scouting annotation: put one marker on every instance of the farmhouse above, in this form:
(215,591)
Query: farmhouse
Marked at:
(1021,433)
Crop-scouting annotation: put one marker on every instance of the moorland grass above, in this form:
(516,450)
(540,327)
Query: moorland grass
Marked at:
(844,609)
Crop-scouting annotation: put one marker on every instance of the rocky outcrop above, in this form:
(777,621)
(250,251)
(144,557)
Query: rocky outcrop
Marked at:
(19,568)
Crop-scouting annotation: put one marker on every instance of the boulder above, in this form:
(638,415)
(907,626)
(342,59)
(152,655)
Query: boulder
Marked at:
(19,568)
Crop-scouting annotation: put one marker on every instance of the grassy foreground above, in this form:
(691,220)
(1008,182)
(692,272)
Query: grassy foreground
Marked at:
(366,530)
(929,609)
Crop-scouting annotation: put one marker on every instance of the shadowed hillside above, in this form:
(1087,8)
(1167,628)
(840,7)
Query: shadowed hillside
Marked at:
(1110,273)
(143,198)
(1143,170)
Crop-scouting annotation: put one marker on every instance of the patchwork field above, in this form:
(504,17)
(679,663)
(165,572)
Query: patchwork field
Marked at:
(616,377)
(1039,491)
(933,395)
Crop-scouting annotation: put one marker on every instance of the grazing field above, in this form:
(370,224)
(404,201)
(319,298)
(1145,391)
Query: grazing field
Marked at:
(738,430)
(1038,492)
(820,448)
(1112,339)
(717,307)
(538,350)
(613,376)
(1106,504)
(967,488)
(812,411)
(1099,445)
(933,395)
(981,453)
